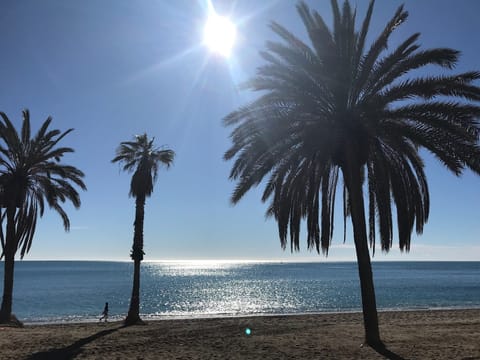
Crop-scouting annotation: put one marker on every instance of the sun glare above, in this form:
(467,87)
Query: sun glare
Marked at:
(219,34)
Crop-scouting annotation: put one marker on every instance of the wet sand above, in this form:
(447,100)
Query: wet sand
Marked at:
(436,334)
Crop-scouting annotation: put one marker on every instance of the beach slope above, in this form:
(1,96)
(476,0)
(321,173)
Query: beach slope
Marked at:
(432,334)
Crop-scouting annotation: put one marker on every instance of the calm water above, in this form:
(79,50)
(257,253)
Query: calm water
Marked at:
(76,291)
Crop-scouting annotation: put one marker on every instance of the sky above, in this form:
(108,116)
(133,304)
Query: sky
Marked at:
(111,69)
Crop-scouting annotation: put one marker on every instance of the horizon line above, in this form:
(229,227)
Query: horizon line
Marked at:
(246,261)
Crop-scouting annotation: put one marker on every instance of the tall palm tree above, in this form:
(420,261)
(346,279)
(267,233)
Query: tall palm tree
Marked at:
(31,175)
(340,109)
(144,159)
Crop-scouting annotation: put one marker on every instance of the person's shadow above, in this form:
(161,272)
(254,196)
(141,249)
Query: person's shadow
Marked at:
(69,352)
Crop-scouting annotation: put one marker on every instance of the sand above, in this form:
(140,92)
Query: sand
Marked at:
(422,335)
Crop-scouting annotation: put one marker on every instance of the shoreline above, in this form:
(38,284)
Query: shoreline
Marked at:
(415,334)
(150,318)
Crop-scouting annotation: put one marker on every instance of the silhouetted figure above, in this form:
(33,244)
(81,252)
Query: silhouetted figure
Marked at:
(104,313)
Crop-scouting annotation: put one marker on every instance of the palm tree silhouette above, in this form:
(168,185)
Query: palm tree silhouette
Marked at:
(141,157)
(337,109)
(31,176)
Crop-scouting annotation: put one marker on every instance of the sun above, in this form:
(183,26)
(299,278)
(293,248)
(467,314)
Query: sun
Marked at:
(219,34)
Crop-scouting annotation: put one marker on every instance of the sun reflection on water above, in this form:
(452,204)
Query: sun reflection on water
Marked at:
(209,288)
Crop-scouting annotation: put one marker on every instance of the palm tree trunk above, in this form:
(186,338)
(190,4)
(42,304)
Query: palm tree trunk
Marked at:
(133,316)
(10,247)
(370,317)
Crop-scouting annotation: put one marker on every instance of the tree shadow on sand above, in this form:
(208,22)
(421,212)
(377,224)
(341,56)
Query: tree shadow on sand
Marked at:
(69,352)
(384,351)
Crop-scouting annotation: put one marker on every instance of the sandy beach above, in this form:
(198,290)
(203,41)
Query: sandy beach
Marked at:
(432,334)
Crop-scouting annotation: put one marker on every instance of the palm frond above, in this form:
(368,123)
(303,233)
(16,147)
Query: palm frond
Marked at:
(339,104)
(34,174)
(143,159)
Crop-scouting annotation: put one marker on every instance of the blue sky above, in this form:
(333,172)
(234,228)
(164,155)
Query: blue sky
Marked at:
(115,68)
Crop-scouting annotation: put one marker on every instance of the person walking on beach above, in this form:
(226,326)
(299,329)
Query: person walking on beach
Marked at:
(104,313)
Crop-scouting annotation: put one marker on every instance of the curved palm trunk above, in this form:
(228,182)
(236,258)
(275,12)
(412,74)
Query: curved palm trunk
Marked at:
(10,247)
(133,316)
(369,306)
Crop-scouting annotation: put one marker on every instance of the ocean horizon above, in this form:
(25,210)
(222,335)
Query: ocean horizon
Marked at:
(58,291)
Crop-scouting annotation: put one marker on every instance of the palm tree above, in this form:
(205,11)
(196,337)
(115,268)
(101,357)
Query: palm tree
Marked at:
(145,160)
(31,175)
(339,109)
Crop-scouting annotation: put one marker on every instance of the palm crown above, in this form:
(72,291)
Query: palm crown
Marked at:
(338,105)
(144,159)
(31,175)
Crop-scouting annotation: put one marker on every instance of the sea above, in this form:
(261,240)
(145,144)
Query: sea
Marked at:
(76,291)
